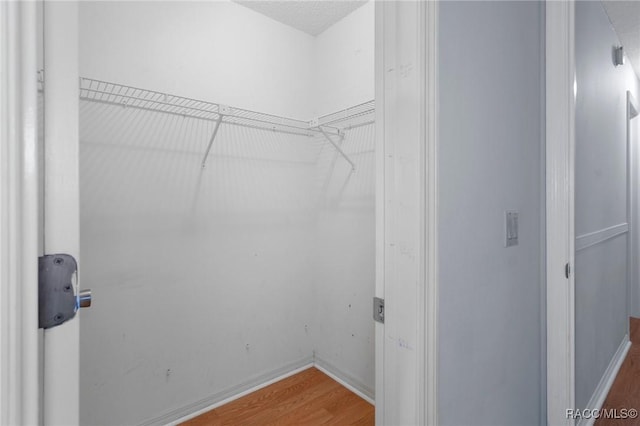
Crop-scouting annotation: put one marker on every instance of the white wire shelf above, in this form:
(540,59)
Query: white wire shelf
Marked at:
(348,118)
(133,97)
(330,125)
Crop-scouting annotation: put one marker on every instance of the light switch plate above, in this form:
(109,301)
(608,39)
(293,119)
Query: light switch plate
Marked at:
(511,228)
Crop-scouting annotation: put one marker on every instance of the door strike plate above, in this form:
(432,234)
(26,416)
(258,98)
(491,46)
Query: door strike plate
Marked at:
(57,302)
(378,309)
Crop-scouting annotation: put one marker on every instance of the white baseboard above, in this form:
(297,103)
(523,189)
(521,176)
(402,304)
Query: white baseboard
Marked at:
(190,411)
(603,388)
(344,379)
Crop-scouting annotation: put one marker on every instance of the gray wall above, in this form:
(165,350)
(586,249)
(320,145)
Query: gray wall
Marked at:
(601,176)
(491,138)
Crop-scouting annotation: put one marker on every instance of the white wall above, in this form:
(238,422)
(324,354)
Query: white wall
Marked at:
(490,160)
(205,281)
(201,279)
(343,333)
(601,198)
(343,71)
(217,51)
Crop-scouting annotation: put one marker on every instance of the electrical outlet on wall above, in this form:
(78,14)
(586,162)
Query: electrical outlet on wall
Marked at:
(511,228)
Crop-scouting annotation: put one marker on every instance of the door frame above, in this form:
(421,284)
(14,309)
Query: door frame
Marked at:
(633,278)
(560,207)
(37,387)
(61,349)
(406,212)
(19,372)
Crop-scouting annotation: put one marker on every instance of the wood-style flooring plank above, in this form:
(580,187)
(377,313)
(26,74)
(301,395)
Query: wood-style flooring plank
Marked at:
(261,400)
(348,399)
(294,405)
(301,409)
(625,391)
(352,414)
(367,420)
(307,398)
(634,330)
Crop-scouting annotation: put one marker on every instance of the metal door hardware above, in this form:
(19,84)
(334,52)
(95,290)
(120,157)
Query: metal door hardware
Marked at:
(85,298)
(57,301)
(378,309)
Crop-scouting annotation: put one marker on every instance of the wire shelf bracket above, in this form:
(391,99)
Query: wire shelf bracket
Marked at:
(213,137)
(337,147)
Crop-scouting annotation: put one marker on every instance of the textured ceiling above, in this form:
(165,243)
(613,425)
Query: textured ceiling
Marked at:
(312,17)
(625,17)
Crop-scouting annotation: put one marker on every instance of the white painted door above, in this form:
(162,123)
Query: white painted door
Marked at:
(19,393)
(61,201)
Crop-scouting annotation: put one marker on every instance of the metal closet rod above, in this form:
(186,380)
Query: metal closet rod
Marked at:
(105,92)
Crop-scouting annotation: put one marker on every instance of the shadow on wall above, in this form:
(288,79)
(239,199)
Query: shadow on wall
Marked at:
(338,185)
(157,159)
(190,257)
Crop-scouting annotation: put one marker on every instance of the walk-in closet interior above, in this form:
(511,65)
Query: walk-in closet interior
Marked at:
(227,201)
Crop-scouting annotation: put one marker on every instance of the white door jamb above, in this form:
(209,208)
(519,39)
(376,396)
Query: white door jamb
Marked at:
(406,212)
(560,159)
(19,395)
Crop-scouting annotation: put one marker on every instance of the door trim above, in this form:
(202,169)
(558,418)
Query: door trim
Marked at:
(431,163)
(379,208)
(560,170)
(19,396)
(406,212)
(632,205)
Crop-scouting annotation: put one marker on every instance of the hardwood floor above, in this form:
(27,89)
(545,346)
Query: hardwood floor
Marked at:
(307,398)
(625,391)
